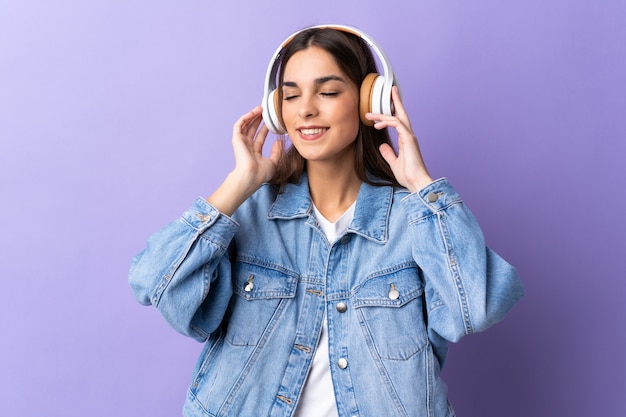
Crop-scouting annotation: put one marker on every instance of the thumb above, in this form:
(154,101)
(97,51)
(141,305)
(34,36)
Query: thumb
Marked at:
(388,153)
(277,151)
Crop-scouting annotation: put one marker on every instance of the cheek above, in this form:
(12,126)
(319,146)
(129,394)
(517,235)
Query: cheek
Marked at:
(350,114)
(287,112)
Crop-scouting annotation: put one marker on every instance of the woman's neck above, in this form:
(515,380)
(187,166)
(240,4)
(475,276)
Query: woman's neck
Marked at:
(333,187)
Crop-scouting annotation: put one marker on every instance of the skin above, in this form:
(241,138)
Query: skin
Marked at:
(320,112)
(321,100)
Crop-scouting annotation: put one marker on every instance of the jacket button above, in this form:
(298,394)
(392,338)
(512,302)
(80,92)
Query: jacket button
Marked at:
(432,197)
(249,285)
(342,307)
(342,363)
(203,217)
(393,293)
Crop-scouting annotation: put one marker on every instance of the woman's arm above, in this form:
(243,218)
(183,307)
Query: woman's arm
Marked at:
(184,270)
(468,287)
(252,169)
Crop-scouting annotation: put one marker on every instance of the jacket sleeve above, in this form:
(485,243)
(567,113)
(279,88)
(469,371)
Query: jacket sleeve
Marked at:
(468,287)
(184,271)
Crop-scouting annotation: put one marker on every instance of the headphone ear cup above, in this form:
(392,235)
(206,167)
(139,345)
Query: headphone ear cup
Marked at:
(377,104)
(270,114)
(386,103)
(365,103)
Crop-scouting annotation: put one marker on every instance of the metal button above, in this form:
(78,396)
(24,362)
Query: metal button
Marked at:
(342,307)
(249,285)
(342,363)
(393,293)
(203,217)
(432,197)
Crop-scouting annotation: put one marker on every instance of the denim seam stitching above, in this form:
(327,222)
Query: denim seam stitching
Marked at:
(456,274)
(258,348)
(381,367)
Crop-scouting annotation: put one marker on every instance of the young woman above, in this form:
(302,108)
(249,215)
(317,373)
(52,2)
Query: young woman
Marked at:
(328,278)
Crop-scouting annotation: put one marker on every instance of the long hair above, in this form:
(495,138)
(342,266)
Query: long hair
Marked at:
(355,59)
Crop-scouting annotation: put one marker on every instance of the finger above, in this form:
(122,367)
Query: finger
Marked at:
(401,112)
(246,118)
(259,140)
(397,100)
(253,125)
(255,131)
(277,151)
(242,125)
(388,153)
(380,121)
(379,118)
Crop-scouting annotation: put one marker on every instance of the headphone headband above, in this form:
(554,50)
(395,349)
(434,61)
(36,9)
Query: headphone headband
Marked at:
(380,88)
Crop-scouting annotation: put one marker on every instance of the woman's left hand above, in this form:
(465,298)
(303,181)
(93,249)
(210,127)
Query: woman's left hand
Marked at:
(408,165)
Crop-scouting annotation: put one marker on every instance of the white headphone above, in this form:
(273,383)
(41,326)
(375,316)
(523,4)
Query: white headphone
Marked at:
(375,89)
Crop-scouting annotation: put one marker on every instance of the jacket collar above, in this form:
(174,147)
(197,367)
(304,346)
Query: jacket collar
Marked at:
(371,215)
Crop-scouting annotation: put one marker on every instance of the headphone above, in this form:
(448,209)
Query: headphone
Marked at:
(375,91)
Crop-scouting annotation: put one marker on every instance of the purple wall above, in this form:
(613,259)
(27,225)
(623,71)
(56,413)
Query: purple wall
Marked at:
(115,115)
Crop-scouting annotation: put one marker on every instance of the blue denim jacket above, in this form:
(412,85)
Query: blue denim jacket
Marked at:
(411,274)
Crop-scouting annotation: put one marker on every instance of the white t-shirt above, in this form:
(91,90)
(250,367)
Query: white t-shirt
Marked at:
(318,395)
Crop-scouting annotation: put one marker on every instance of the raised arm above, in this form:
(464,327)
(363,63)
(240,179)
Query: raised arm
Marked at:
(185,271)
(252,169)
(408,165)
(468,286)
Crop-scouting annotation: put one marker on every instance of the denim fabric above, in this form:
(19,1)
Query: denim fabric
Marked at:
(410,275)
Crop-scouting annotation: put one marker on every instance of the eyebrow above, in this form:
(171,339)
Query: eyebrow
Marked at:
(318,81)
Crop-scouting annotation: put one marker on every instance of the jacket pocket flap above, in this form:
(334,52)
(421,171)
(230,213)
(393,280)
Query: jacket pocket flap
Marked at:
(389,289)
(254,281)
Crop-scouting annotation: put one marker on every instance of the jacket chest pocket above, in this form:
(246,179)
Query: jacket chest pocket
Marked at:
(261,295)
(390,310)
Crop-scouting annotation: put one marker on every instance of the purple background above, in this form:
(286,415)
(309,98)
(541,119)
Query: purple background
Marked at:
(115,115)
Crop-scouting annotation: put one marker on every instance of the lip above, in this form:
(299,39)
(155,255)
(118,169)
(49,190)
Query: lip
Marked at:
(311,132)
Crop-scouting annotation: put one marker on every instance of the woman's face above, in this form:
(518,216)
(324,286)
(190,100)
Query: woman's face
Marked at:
(320,107)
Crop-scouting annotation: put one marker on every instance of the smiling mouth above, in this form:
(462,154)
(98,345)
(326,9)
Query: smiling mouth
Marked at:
(311,132)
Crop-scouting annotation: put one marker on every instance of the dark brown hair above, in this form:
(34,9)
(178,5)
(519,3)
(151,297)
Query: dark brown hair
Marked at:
(355,59)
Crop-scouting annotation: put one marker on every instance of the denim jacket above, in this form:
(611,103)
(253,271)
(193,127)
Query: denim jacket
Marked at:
(411,274)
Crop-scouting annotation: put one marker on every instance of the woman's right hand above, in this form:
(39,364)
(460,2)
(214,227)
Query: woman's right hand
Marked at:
(252,169)
(248,141)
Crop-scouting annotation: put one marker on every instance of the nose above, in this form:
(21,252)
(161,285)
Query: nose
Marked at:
(308,106)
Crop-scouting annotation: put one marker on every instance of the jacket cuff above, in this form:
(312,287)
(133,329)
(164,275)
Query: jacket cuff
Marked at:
(203,217)
(435,197)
